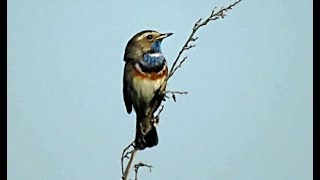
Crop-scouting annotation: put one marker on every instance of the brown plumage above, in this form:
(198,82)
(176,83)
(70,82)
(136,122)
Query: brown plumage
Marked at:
(145,71)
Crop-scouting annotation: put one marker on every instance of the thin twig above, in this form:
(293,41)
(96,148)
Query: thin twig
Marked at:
(177,92)
(173,94)
(125,154)
(213,16)
(182,61)
(137,166)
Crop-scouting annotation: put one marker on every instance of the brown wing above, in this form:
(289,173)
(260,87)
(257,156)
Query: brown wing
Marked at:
(126,96)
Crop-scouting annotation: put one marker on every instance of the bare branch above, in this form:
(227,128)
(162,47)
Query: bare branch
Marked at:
(127,154)
(181,62)
(125,174)
(213,16)
(137,166)
(173,94)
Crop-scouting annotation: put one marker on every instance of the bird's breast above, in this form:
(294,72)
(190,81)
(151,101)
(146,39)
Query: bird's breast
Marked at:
(152,75)
(146,84)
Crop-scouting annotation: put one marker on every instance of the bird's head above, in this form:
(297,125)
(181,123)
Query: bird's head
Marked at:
(144,42)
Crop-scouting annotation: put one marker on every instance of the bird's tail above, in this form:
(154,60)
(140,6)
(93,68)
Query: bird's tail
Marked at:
(146,134)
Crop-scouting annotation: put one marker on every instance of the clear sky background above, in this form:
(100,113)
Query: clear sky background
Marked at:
(248,114)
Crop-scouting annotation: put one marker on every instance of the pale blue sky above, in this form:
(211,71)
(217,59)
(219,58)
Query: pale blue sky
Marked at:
(248,114)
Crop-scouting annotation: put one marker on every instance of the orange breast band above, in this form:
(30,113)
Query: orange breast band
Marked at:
(151,75)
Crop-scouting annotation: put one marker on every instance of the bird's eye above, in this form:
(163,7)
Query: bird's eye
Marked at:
(149,36)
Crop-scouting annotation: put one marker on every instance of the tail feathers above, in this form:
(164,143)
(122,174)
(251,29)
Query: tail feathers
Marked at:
(149,139)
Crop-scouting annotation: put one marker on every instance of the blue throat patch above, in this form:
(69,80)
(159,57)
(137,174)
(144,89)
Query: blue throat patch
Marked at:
(152,60)
(156,46)
(155,57)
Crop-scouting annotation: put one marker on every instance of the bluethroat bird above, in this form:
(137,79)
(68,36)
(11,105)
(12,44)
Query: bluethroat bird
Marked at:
(144,72)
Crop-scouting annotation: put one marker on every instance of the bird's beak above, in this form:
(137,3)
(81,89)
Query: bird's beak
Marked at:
(165,35)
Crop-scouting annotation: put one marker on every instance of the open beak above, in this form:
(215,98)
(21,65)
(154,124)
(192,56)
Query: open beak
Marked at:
(165,35)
